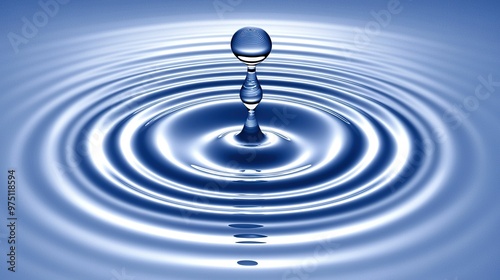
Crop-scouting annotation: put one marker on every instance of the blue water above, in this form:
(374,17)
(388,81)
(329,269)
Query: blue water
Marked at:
(379,159)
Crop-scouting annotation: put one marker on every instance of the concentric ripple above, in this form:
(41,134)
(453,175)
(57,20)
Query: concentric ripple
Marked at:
(140,132)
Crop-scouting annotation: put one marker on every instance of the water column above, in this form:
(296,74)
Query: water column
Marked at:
(251,45)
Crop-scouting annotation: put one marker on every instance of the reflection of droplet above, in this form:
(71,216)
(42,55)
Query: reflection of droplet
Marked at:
(245,226)
(251,45)
(250,235)
(247,262)
(251,242)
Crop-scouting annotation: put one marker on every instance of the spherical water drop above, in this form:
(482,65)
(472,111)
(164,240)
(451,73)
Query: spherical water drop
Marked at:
(251,45)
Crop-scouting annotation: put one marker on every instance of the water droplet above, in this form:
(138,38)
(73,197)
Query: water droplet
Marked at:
(251,45)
